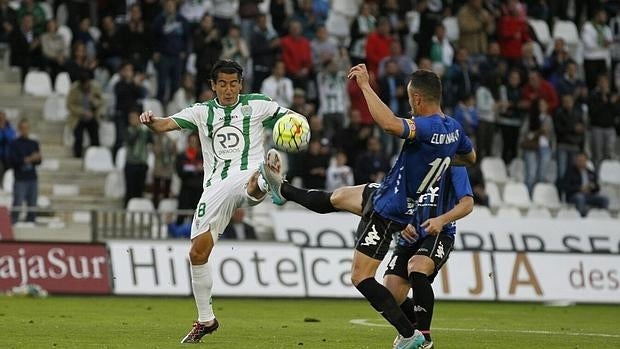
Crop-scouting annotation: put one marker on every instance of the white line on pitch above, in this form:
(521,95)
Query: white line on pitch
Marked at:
(366,322)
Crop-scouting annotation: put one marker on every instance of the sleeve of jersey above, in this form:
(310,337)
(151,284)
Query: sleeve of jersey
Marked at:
(409,129)
(460,182)
(187,119)
(271,112)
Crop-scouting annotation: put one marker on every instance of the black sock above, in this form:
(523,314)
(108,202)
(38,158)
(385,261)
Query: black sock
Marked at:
(424,302)
(314,200)
(408,309)
(382,300)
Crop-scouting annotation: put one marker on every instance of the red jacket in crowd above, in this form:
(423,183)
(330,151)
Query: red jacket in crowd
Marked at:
(356,97)
(512,33)
(544,91)
(377,48)
(296,54)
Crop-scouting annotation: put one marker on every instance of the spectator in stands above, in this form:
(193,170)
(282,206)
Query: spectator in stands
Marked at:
(54,49)
(358,102)
(487,113)
(127,91)
(7,135)
(372,165)
(193,11)
(223,12)
(80,62)
(378,45)
(362,25)
(278,87)
(582,187)
(603,109)
(8,20)
(570,83)
(511,115)
(314,166)
(393,89)
(596,37)
(82,34)
(394,11)
(280,11)
(475,24)
(536,88)
(23,157)
(248,12)
(426,23)
(234,46)
(85,106)
(297,56)
(164,150)
(317,128)
(110,49)
(171,49)
(352,139)
(442,52)
(299,103)
(184,96)
(324,49)
(190,169)
(334,101)
(136,165)
(208,48)
(338,173)
(570,129)
(493,63)
(527,62)
(264,47)
(557,63)
(32,8)
(237,229)
(466,113)
(308,19)
(459,81)
(405,63)
(135,39)
(536,143)
(512,32)
(25,46)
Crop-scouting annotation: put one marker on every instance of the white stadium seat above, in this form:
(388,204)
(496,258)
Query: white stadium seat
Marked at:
(175,185)
(609,172)
(38,83)
(47,9)
(140,205)
(495,199)
(168,205)
(67,35)
(508,212)
(538,212)
(494,170)
(121,157)
(114,185)
(452,28)
(65,190)
(8,180)
(107,133)
(95,33)
(546,195)
(516,195)
(566,30)
(568,213)
(55,108)
(480,212)
(153,105)
(98,159)
(62,84)
(541,29)
(516,170)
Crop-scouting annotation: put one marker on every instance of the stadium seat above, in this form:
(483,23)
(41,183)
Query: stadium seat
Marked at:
(114,186)
(552,172)
(168,205)
(495,199)
(597,213)
(66,33)
(107,133)
(50,164)
(55,108)
(613,194)
(83,217)
(566,30)
(516,195)
(190,66)
(538,212)
(62,84)
(539,53)
(95,33)
(98,159)
(38,83)
(508,212)
(568,213)
(8,180)
(121,157)
(494,170)
(140,205)
(452,28)
(47,9)
(541,29)
(609,172)
(150,162)
(175,185)
(65,190)
(546,195)
(62,14)
(516,170)
(43,202)
(480,212)
(154,105)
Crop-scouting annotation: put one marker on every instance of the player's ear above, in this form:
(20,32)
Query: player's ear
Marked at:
(212,83)
(241,84)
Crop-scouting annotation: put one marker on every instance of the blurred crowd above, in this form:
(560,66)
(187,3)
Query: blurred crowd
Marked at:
(518,95)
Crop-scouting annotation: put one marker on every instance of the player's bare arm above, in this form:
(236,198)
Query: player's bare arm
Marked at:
(382,114)
(434,226)
(158,124)
(468,159)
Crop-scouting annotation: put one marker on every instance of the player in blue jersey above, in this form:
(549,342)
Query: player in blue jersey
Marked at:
(425,245)
(433,143)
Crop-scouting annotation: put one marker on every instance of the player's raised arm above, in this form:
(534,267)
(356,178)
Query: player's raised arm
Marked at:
(382,114)
(158,124)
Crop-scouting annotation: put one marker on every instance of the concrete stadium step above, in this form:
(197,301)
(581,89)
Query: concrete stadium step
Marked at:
(84,202)
(10,75)
(10,89)
(58,151)
(73,232)
(86,185)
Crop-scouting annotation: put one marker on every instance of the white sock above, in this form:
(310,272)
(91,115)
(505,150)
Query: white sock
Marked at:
(202,283)
(262,184)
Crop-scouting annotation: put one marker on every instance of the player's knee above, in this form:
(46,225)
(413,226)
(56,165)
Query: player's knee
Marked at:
(357,277)
(420,264)
(198,257)
(337,198)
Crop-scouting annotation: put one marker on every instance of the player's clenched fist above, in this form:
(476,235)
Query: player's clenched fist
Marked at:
(360,74)
(146,117)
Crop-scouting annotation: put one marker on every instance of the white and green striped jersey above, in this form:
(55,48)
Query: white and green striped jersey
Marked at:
(231,136)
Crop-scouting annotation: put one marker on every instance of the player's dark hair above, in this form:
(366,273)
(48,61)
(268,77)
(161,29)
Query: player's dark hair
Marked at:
(227,67)
(428,84)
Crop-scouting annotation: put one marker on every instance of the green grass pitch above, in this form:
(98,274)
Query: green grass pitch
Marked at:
(132,322)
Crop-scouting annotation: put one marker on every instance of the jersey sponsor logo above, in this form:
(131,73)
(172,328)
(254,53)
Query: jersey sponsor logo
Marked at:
(430,197)
(440,252)
(246,110)
(228,142)
(411,206)
(372,238)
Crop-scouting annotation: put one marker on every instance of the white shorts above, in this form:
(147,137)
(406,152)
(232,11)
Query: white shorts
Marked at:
(219,201)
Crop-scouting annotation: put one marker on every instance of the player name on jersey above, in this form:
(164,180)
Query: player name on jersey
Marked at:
(445,138)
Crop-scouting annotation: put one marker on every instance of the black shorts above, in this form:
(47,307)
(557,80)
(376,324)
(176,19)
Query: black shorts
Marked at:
(437,248)
(374,233)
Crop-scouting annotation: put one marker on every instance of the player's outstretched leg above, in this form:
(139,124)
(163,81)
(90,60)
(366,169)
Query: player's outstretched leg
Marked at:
(271,171)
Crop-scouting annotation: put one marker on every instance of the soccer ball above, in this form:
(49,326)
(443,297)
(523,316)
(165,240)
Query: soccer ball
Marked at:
(291,133)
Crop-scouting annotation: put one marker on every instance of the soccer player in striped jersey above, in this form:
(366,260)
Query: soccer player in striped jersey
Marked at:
(425,245)
(231,129)
(433,142)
